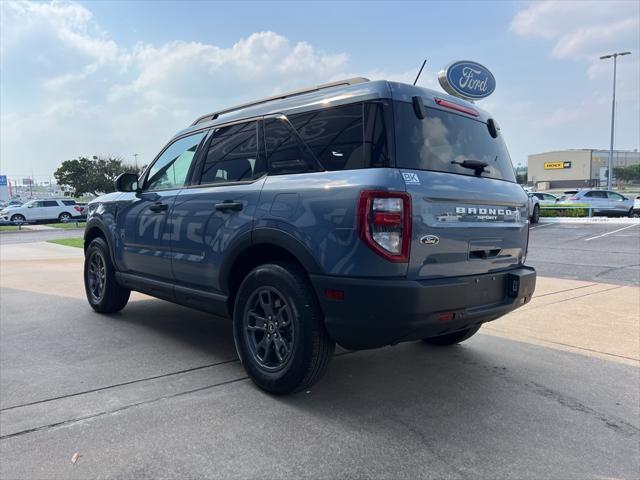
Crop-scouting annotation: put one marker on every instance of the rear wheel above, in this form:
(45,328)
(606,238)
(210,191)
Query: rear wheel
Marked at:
(64,217)
(535,218)
(452,338)
(279,329)
(17,218)
(104,293)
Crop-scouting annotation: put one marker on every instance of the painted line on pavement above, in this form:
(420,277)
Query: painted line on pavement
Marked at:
(609,233)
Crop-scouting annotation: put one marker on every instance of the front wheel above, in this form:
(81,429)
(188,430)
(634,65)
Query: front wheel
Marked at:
(452,338)
(17,218)
(279,329)
(104,293)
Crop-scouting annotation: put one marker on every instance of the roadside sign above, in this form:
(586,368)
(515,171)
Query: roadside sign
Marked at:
(468,80)
(556,165)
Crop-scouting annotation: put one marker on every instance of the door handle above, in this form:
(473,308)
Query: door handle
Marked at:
(158,207)
(229,205)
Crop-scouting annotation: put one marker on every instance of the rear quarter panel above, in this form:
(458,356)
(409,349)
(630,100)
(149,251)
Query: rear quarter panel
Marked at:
(320,211)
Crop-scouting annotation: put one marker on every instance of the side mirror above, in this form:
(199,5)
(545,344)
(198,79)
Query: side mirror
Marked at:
(127,182)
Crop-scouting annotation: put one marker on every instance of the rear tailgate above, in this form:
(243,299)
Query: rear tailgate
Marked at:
(464,225)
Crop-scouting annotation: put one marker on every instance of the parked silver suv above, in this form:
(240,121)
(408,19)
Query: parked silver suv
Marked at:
(603,202)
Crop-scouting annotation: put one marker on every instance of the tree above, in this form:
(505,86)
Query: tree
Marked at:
(95,175)
(630,173)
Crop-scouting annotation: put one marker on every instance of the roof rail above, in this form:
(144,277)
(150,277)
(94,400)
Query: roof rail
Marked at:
(214,115)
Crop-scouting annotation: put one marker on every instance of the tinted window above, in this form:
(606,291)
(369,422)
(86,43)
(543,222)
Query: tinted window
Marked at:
(285,152)
(615,196)
(596,194)
(345,137)
(232,155)
(50,203)
(69,202)
(171,168)
(549,197)
(334,135)
(443,140)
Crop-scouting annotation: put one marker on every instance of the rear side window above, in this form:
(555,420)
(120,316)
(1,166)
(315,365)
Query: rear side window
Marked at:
(443,140)
(69,202)
(615,196)
(596,194)
(232,155)
(334,135)
(345,137)
(49,203)
(285,152)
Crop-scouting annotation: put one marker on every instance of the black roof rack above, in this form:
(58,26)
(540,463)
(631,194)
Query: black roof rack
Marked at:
(214,115)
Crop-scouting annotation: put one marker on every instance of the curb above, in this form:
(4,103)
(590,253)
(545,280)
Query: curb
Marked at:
(612,220)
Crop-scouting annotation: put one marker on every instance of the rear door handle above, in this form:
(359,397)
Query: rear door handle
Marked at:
(229,205)
(159,207)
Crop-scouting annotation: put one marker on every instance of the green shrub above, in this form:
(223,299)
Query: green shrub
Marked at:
(573,210)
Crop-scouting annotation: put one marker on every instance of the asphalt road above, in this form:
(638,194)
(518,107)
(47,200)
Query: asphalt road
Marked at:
(157,392)
(607,253)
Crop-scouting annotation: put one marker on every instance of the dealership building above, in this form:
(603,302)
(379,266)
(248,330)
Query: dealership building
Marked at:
(575,168)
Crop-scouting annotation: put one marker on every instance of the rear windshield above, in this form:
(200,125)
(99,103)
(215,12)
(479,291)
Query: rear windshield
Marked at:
(443,140)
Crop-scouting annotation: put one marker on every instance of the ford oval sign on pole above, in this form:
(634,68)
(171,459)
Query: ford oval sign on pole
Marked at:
(468,80)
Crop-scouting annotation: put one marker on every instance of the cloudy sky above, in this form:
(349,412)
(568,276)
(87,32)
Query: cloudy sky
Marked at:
(84,78)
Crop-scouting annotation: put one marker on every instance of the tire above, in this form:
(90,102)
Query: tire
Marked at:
(452,338)
(535,218)
(64,217)
(104,293)
(18,217)
(279,329)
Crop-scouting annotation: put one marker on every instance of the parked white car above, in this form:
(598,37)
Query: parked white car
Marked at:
(35,210)
(545,198)
(534,208)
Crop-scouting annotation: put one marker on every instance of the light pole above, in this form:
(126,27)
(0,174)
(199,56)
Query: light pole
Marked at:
(613,113)
(135,159)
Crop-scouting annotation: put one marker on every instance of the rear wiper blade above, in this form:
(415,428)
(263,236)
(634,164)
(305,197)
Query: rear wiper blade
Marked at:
(476,165)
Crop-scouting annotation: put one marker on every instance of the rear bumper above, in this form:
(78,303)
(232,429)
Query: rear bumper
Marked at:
(375,313)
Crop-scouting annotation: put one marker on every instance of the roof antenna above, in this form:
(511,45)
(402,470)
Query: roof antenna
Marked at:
(423,64)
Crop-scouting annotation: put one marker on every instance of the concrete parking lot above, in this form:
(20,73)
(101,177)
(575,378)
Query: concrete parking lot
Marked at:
(549,391)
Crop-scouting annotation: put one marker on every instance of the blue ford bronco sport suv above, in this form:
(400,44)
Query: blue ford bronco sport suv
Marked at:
(359,213)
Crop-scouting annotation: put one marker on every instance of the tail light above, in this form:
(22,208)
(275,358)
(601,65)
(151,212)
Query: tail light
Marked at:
(77,208)
(384,222)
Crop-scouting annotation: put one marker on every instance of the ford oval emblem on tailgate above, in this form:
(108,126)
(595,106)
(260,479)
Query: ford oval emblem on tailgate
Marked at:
(429,240)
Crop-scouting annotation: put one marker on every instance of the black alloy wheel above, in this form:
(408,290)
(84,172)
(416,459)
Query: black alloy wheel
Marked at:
(268,328)
(96,275)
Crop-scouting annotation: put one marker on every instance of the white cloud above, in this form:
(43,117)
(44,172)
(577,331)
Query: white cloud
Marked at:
(581,29)
(87,94)
(69,23)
